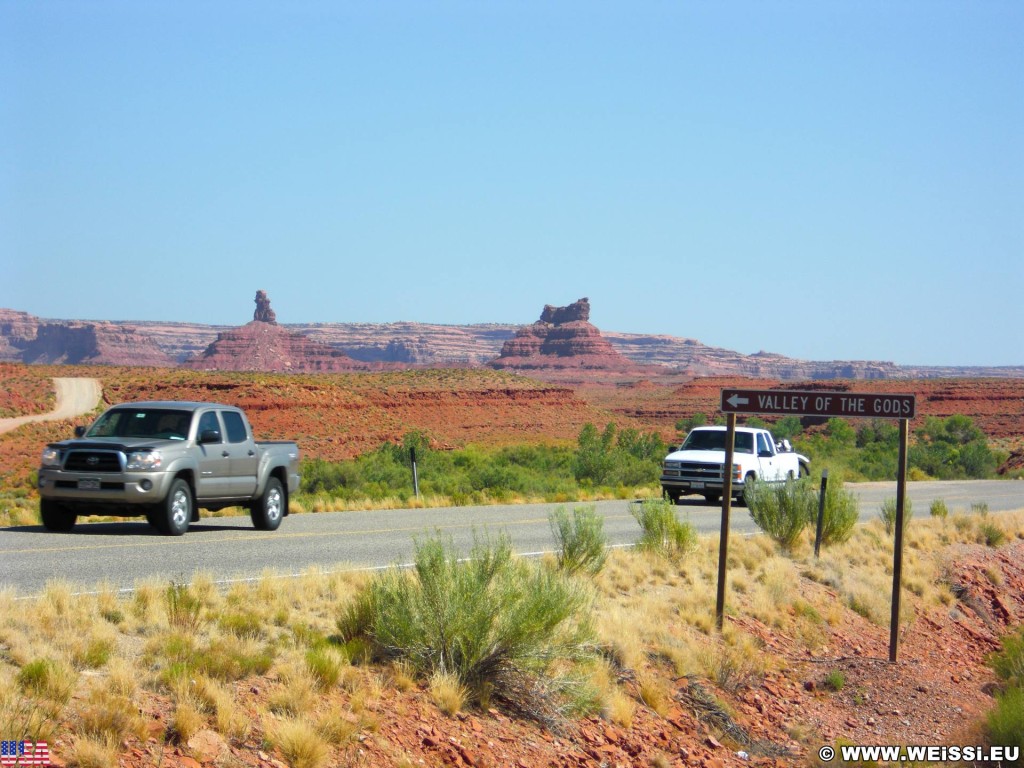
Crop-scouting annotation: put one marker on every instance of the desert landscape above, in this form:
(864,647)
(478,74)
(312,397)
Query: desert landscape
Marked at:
(802,662)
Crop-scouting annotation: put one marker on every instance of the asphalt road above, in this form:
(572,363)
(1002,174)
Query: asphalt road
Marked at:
(122,553)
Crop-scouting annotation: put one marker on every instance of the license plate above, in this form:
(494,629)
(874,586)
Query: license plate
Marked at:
(697,485)
(89,484)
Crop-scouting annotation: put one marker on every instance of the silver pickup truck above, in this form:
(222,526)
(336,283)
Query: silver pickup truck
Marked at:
(165,460)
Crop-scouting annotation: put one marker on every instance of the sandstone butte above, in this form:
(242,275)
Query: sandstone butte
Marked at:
(263,345)
(563,337)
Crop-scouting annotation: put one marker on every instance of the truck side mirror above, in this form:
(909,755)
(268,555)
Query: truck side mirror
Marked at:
(79,431)
(209,436)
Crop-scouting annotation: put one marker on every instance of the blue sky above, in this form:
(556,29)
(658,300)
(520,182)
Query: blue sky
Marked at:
(837,180)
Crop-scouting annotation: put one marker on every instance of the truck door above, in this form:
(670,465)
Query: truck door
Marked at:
(766,457)
(242,450)
(214,461)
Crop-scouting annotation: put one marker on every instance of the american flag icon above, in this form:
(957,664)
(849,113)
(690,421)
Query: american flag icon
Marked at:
(18,753)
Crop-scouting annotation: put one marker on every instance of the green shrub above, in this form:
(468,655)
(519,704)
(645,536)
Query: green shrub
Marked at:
(938,509)
(980,508)
(497,623)
(835,680)
(661,530)
(325,664)
(781,510)
(1008,663)
(842,510)
(579,539)
(48,679)
(887,514)
(991,534)
(1005,722)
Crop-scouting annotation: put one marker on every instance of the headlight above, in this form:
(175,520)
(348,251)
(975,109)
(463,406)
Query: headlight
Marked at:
(143,460)
(51,457)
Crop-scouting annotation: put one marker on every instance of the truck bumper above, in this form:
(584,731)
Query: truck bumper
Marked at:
(682,487)
(107,489)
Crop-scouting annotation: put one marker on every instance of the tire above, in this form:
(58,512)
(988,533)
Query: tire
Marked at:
(804,470)
(56,517)
(750,479)
(269,508)
(175,511)
(712,498)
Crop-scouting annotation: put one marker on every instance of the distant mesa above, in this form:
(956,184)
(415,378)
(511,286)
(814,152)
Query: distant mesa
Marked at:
(263,345)
(29,340)
(562,338)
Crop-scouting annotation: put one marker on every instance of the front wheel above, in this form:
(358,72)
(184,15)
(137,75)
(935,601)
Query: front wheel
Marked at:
(748,482)
(176,510)
(269,508)
(56,517)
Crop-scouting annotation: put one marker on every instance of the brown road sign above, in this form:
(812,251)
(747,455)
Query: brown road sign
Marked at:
(847,404)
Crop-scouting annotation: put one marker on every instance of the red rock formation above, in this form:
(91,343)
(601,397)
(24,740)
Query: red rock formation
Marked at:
(264,313)
(562,338)
(259,346)
(84,343)
(17,331)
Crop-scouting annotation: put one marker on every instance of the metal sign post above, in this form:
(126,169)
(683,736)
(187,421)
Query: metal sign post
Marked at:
(723,542)
(851,405)
(897,553)
(821,513)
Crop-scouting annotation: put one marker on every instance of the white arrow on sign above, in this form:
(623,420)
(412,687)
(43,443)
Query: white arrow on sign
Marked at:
(736,401)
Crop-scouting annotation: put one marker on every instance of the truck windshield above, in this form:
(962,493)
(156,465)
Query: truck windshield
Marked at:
(714,440)
(142,422)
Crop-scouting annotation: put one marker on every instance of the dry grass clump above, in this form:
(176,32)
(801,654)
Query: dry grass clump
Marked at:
(300,743)
(448,693)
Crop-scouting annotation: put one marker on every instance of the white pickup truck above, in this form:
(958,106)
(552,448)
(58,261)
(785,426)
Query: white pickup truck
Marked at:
(697,466)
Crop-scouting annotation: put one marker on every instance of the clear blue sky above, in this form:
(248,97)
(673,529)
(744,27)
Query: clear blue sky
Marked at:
(827,180)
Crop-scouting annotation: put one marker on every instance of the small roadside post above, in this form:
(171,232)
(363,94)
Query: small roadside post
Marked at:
(821,513)
(864,405)
(415,474)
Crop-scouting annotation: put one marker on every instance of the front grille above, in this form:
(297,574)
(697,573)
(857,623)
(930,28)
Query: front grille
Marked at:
(93,461)
(700,470)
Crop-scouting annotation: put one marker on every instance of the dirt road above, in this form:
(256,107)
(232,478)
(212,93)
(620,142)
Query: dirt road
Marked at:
(74,397)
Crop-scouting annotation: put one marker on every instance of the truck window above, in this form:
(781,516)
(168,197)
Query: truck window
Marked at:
(762,443)
(235,426)
(208,421)
(714,440)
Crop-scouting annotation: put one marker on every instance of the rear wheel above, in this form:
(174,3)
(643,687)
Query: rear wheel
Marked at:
(175,510)
(804,470)
(269,508)
(56,517)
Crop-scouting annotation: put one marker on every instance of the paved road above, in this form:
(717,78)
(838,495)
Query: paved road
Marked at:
(122,553)
(74,398)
